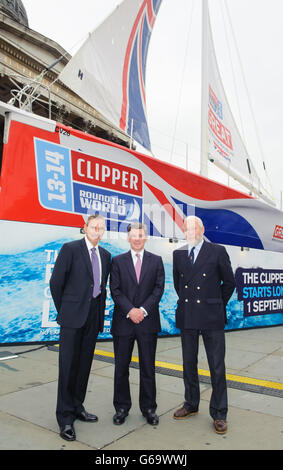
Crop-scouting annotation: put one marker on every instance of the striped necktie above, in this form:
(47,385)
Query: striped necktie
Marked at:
(95,272)
(192,256)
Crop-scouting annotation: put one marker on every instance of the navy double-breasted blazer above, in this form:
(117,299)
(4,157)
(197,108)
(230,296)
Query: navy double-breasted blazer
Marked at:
(204,289)
(71,284)
(128,293)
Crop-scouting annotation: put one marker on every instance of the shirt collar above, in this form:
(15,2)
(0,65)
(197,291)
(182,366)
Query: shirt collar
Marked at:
(89,244)
(197,247)
(135,252)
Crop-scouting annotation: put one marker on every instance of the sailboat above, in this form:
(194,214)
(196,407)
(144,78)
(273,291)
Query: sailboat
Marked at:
(109,72)
(54,176)
(113,81)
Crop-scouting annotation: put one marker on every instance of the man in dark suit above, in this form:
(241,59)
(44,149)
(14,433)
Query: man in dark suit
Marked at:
(78,287)
(204,282)
(137,284)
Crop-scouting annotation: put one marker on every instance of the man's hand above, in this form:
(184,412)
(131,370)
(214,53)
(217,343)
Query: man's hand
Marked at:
(136,315)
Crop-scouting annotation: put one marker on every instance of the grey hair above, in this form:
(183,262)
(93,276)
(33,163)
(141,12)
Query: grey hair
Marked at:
(94,216)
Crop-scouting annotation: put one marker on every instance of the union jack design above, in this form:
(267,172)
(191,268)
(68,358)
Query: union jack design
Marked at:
(109,69)
(133,112)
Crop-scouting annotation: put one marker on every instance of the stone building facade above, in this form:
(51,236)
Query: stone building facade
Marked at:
(25,58)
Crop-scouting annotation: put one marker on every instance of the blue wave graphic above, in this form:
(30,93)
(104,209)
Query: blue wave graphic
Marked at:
(23,282)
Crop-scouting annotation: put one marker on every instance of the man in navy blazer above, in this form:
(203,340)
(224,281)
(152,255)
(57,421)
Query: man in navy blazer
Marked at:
(204,282)
(137,284)
(78,288)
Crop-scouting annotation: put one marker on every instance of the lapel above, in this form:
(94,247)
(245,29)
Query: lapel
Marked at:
(103,264)
(202,257)
(131,268)
(145,264)
(191,271)
(86,256)
(184,259)
(130,265)
(87,260)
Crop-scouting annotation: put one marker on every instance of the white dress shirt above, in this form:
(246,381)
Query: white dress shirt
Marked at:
(135,258)
(197,249)
(89,246)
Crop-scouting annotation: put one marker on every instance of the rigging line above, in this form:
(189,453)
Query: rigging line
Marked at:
(183,74)
(66,122)
(233,72)
(170,137)
(62,56)
(182,155)
(253,178)
(251,108)
(247,91)
(83,39)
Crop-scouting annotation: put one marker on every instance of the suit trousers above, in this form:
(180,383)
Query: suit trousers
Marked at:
(76,350)
(214,343)
(123,348)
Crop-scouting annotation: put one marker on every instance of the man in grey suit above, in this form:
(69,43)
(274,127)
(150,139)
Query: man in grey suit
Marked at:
(204,282)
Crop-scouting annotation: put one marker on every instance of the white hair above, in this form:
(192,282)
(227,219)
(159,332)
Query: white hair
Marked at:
(193,217)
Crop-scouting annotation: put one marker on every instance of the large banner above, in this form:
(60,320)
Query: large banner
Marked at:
(53,177)
(28,253)
(57,176)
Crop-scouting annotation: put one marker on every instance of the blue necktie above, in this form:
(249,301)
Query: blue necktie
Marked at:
(96,273)
(192,256)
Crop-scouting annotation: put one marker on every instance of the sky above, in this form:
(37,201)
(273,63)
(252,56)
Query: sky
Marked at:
(251,70)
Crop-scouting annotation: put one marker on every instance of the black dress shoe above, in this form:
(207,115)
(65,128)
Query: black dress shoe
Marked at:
(120,416)
(67,432)
(85,416)
(151,417)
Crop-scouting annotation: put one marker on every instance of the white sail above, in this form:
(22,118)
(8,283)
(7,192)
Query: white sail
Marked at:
(109,69)
(221,142)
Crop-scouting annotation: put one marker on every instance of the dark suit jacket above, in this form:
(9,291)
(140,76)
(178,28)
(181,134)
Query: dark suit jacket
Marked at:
(71,284)
(204,288)
(127,293)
